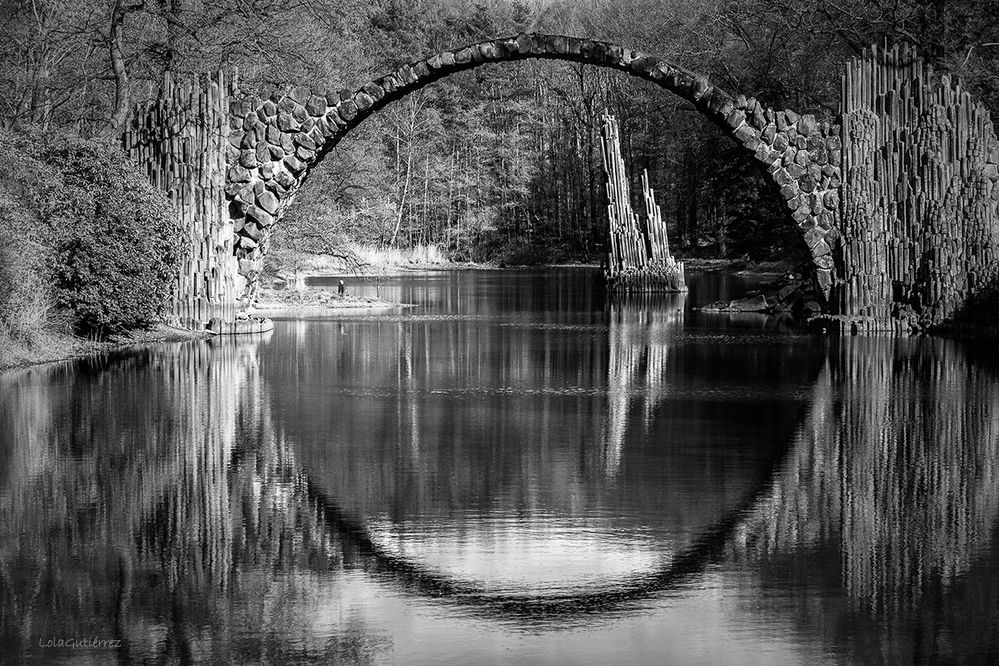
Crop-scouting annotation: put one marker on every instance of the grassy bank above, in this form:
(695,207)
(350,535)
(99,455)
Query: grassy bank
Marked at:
(364,260)
(50,346)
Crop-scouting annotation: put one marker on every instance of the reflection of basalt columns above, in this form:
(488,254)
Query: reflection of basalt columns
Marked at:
(640,325)
(898,471)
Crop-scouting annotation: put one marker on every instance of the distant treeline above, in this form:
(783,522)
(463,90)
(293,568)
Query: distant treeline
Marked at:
(501,162)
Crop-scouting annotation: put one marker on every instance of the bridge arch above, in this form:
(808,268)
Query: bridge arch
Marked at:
(274,143)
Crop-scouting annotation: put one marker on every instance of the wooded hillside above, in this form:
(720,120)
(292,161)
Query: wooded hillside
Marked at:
(501,162)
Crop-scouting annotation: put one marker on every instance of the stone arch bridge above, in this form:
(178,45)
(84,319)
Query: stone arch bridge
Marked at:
(233,163)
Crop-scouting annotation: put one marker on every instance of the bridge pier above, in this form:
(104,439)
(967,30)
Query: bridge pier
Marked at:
(921,197)
(178,139)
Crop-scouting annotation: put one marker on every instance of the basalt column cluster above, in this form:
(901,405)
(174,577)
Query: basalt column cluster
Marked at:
(921,219)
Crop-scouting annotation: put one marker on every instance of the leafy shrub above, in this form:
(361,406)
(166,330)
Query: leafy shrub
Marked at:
(112,245)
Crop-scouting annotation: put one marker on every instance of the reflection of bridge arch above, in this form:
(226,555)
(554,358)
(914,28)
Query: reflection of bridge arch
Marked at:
(231,506)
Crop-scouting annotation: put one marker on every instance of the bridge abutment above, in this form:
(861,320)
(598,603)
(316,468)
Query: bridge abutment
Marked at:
(921,195)
(178,140)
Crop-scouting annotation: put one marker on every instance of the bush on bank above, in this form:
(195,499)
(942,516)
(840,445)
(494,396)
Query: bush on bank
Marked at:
(85,242)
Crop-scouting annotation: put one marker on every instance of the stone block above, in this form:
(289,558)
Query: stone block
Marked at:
(735,119)
(824,278)
(824,260)
(807,125)
(557,44)
(319,133)
(248,158)
(246,243)
(790,190)
(262,217)
(249,267)
(287,122)
(745,134)
(268,202)
(813,236)
(294,164)
(703,87)
(263,152)
(304,140)
(815,203)
(347,110)
(333,117)
(408,76)
(300,94)
(244,194)
(389,84)
(316,105)
(375,91)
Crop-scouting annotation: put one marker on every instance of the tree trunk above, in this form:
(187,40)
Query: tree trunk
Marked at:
(121,92)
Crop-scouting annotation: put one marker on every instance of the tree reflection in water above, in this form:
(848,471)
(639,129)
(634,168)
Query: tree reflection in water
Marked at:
(157,497)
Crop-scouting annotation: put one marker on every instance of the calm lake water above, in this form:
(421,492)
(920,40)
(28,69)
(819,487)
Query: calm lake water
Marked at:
(513,471)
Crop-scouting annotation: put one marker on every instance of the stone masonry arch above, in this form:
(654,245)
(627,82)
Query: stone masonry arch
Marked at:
(274,143)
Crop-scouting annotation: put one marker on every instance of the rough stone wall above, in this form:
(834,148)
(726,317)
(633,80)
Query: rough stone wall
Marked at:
(921,221)
(178,139)
(274,142)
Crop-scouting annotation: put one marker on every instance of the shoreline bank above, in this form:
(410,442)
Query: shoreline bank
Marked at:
(312,301)
(738,267)
(65,347)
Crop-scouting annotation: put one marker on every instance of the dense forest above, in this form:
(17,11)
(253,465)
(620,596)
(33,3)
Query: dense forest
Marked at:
(501,162)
